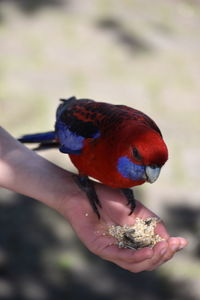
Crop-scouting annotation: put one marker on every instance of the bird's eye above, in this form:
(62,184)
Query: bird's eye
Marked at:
(136,154)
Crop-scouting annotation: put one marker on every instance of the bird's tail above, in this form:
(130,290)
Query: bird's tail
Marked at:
(45,140)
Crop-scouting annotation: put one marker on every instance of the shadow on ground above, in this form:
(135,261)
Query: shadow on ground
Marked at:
(31,6)
(130,41)
(29,268)
(184,218)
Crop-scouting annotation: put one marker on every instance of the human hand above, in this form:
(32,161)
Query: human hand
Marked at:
(92,231)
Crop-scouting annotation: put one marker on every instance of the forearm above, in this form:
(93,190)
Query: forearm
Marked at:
(25,172)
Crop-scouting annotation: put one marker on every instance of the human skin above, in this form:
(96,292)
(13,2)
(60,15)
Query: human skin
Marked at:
(24,171)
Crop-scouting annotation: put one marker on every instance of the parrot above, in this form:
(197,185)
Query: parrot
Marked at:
(117,145)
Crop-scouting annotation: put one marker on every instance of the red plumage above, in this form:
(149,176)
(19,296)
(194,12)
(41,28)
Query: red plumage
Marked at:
(121,129)
(115,144)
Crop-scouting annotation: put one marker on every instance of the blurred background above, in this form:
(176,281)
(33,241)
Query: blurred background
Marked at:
(138,52)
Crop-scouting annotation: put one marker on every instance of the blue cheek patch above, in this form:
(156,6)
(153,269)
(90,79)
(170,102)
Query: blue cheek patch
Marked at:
(70,142)
(130,170)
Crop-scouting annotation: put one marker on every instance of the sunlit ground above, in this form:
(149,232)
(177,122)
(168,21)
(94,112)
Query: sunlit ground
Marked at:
(142,53)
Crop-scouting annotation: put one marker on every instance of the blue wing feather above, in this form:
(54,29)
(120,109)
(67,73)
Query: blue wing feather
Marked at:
(72,131)
(70,142)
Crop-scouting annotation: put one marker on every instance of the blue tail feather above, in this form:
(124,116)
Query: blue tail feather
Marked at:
(49,136)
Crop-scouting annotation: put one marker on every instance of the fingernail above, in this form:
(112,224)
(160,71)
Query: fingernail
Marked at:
(181,247)
(163,251)
(174,248)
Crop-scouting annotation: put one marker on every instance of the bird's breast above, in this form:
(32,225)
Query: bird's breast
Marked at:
(100,162)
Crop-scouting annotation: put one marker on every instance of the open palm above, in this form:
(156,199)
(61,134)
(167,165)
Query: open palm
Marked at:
(92,231)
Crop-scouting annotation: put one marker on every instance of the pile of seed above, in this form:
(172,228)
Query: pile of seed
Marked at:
(140,235)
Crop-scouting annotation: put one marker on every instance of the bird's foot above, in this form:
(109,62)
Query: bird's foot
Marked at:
(128,193)
(87,186)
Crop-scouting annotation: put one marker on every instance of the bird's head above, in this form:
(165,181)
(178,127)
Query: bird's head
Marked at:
(144,153)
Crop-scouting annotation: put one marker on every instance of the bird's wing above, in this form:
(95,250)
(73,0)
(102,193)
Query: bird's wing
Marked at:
(78,120)
(75,122)
(139,116)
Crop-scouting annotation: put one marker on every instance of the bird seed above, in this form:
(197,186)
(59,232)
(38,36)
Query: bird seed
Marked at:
(140,235)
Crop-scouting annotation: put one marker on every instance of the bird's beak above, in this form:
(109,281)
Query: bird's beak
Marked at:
(152,173)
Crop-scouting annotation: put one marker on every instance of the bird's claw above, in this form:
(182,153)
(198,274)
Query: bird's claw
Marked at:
(87,186)
(128,193)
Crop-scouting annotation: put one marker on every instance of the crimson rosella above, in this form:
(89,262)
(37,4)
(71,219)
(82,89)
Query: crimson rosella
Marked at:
(117,145)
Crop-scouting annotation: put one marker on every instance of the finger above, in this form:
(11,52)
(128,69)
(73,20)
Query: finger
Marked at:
(159,252)
(174,245)
(159,256)
(142,263)
(146,258)
(113,252)
(133,266)
(139,255)
(182,243)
